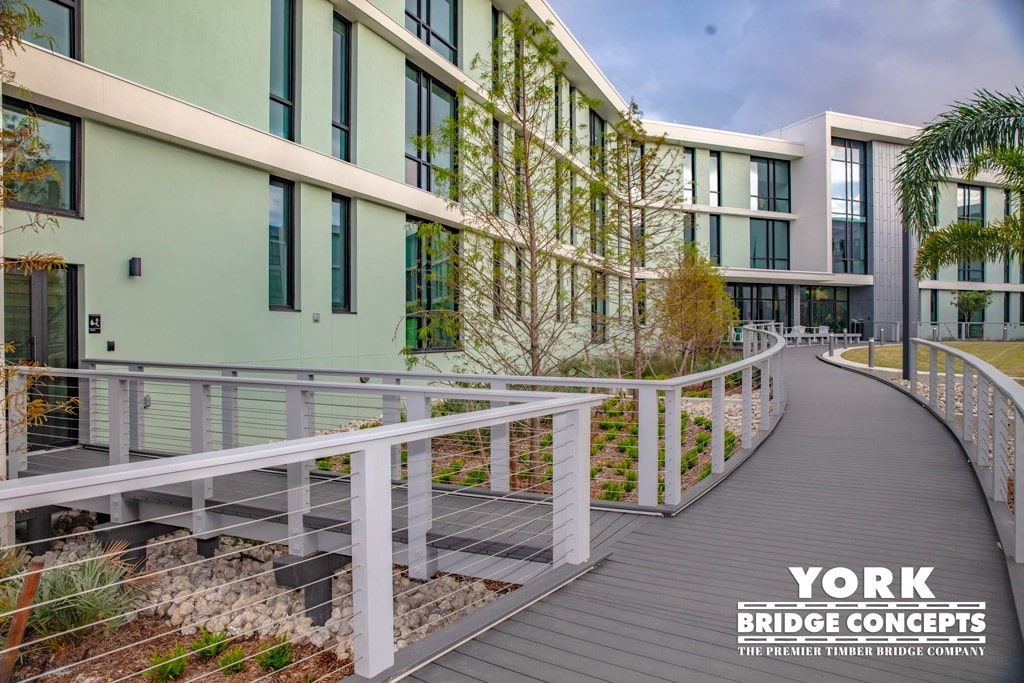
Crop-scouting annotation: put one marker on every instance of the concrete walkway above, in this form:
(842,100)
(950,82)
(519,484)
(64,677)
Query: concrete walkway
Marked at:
(856,475)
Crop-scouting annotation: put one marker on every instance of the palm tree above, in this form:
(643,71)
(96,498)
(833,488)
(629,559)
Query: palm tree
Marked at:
(983,134)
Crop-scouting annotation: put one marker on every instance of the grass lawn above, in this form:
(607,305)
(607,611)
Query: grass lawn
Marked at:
(1007,356)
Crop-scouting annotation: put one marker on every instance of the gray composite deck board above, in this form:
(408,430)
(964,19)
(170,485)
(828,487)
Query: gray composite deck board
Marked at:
(856,474)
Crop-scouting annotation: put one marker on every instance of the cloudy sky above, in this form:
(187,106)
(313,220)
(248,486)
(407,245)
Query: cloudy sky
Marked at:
(755,65)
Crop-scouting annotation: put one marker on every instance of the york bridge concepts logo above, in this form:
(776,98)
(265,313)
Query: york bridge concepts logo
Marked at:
(872,612)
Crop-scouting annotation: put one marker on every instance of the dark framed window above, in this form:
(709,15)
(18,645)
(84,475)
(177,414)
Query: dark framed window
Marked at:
(427,105)
(572,117)
(341,254)
(971,271)
(769,244)
(849,247)
(431,300)
(762,302)
(598,224)
(598,307)
(281,263)
(829,306)
(769,184)
(60,27)
(715,240)
(689,229)
(58,189)
(641,301)
(849,206)
(715,179)
(970,203)
(934,302)
(341,131)
(689,162)
(435,22)
(597,141)
(282,68)
(1006,307)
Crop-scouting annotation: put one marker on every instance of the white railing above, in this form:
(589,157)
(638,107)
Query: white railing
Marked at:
(983,407)
(659,406)
(950,331)
(369,499)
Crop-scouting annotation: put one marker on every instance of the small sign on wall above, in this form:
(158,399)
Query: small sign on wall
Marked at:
(94,324)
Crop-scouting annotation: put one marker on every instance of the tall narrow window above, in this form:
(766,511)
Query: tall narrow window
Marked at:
(769,244)
(57,190)
(598,307)
(341,96)
(769,184)
(762,302)
(430,299)
(597,136)
(933,301)
(970,207)
(1006,307)
(427,105)
(689,229)
(282,68)
(715,179)
(849,206)
(341,255)
(689,191)
(434,22)
(572,117)
(59,26)
(282,239)
(715,239)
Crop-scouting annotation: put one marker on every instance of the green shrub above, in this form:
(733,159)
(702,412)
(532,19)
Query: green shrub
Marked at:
(595,470)
(233,660)
(704,472)
(546,440)
(594,450)
(689,460)
(209,644)
(611,490)
(475,477)
(623,467)
(275,657)
(621,447)
(634,429)
(549,473)
(730,443)
(168,666)
(633,452)
(73,597)
(323,464)
(445,476)
(628,486)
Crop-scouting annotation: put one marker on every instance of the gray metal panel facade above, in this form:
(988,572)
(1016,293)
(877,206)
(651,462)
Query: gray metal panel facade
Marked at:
(887,240)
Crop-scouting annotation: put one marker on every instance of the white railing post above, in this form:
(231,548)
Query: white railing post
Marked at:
(500,448)
(391,413)
(1018,485)
(748,408)
(780,377)
(950,388)
(201,442)
(766,393)
(17,423)
(136,406)
(117,393)
(913,369)
(298,417)
(968,392)
(933,377)
(1000,444)
(229,412)
(981,454)
(718,425)
(87,407)
(570,514)
(673,446)
(647,442)
(422,557)
(372,592)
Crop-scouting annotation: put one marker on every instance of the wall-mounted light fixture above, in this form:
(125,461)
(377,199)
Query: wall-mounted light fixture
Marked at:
(135,266)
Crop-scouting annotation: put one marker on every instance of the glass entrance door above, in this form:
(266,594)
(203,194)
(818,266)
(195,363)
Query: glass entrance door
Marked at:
(39,321)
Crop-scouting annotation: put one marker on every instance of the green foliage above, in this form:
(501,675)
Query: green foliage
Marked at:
(277,656)
(611,490)
(73,597)
(210,644)
(595,470)
(324,464)
(549,472)
(730,443)
(546,440)
(972,301)
(689,460)
(169,666)
(233,661)
(623,467)
(704,472)
(475,477)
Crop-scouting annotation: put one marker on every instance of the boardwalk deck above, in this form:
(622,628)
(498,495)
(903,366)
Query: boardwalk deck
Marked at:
(856,475)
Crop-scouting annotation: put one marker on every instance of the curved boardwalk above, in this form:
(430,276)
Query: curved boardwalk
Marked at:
(856,475)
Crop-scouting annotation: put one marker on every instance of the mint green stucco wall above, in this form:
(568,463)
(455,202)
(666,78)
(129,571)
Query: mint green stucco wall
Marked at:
(213,54)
